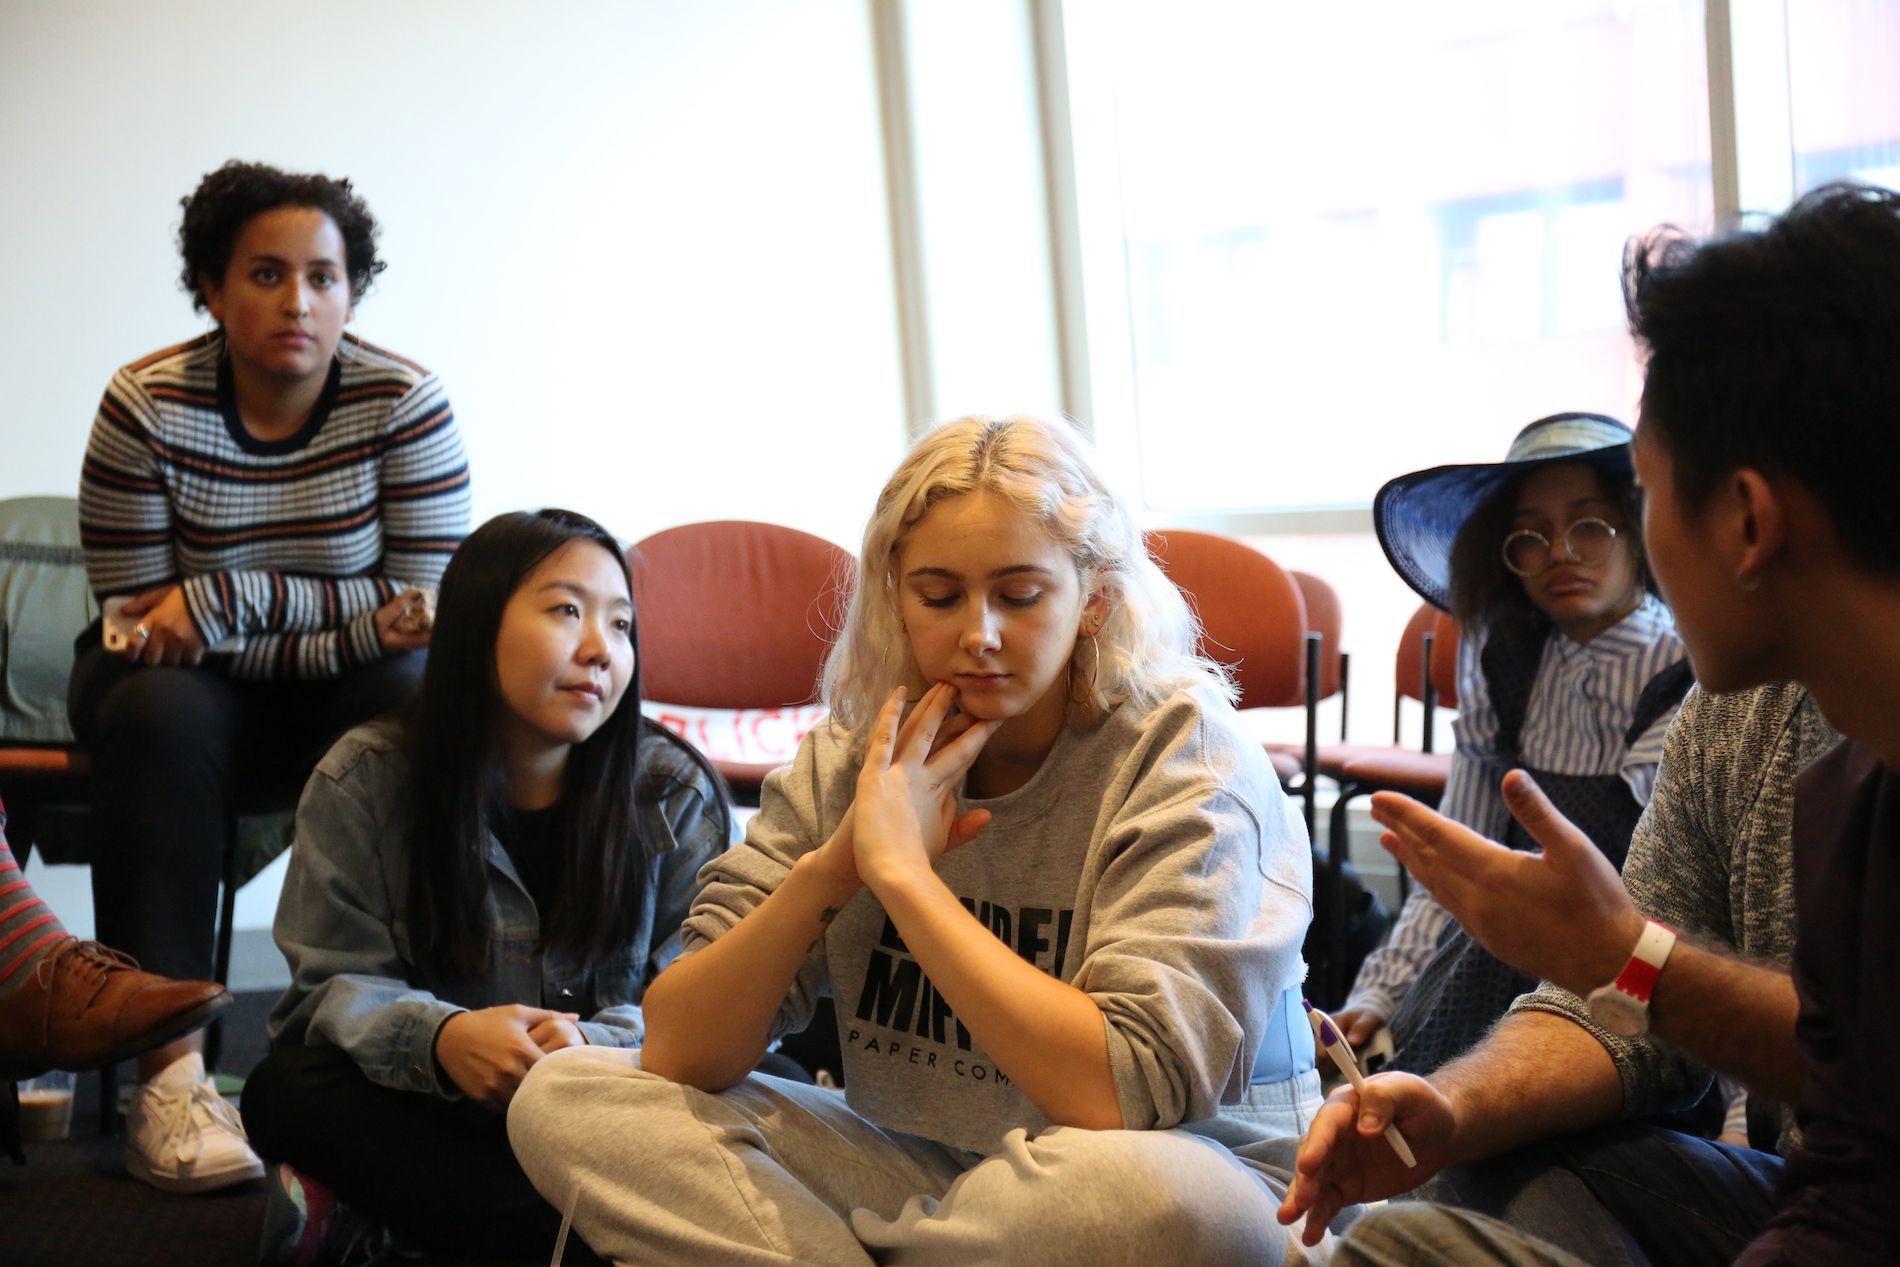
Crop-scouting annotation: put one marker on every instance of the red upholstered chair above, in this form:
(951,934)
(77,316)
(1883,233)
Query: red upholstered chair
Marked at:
(1326,617)
(1254,619)
(1430,637)
(1329,667)
(737,615)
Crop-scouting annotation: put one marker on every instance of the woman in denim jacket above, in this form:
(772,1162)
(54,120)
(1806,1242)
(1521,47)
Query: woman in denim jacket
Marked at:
(494,878)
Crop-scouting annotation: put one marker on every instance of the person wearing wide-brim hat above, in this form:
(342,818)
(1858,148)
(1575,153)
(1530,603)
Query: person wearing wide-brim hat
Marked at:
(1569,666)
(1419,516)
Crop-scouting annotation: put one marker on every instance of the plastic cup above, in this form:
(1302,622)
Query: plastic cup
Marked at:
(46,1106)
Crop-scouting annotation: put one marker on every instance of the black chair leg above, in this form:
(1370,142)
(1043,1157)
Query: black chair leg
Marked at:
(1309,755)
(1326,939)
(227,911)
(1337,846)
(1345,693)
(108,1101)
(10,1124)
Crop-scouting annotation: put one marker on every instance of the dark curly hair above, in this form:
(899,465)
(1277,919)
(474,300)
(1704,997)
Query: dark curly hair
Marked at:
(1778,348)
(225,200)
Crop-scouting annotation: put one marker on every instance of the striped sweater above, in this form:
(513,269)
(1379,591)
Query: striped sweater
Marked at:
(284,548)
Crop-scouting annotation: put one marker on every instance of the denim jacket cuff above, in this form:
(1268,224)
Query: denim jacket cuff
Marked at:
(423,1074)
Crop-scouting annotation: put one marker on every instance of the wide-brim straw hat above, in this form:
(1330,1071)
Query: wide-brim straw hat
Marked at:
(1418,516)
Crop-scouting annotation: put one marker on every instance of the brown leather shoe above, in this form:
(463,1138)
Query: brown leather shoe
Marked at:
(86,1005)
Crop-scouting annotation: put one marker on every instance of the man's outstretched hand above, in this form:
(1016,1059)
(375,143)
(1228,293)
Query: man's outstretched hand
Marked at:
(1561,915)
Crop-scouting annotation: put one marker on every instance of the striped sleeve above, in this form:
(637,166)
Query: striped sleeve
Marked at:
(258,602)
(319,656)
(424,486)
(424,512)
(1735,1121)
(1644,756)
(125,518)
(1641,759)
(1472,797)
(1389,971)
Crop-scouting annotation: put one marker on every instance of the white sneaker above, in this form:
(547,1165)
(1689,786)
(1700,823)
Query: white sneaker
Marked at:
(182,1136)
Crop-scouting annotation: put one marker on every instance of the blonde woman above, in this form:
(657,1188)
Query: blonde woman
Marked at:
(1058,900)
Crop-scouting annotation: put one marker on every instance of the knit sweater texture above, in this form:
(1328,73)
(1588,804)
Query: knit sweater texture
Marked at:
(1712,858)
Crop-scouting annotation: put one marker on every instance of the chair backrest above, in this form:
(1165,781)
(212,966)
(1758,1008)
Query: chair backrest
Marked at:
(736,614)
(1411,655)
(45,600)
(1323,617)
(1252,616)
(1410,673)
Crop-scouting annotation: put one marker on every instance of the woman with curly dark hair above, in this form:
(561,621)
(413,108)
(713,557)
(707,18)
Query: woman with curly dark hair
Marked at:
(264,510)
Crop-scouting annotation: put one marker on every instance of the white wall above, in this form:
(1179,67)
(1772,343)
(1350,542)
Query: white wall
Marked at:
(645,244)
(982,209)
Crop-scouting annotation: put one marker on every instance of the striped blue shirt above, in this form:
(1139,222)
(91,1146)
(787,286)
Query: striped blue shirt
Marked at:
(1581,706)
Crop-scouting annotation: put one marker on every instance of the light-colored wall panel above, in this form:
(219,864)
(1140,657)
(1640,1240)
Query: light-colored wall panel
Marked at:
(644,243)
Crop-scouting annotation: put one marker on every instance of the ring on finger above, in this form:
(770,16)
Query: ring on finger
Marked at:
(143,632)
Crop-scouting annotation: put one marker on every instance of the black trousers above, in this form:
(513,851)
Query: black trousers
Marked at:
(438,1172)
(177,754)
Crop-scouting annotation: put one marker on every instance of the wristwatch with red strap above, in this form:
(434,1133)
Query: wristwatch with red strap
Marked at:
(1622,1007)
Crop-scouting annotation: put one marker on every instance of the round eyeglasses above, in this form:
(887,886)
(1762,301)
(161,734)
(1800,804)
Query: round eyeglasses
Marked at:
(1587,541)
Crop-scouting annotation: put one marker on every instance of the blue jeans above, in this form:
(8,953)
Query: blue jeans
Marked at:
(1626,1193)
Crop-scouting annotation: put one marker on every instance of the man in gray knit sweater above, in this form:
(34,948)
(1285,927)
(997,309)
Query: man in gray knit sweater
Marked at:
(1766,449)
(1541,1134)
(1712,859)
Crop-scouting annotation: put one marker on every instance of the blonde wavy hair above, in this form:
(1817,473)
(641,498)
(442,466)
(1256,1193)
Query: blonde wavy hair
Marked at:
(1146,647)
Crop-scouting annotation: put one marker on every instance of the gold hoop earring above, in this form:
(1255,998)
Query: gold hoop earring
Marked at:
(1095,666)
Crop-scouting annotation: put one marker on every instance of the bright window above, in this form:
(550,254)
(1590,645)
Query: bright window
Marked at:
(1844,91)
(1354,239)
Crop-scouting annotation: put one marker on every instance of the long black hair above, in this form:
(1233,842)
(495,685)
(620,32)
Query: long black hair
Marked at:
(1779,349)
(456,781)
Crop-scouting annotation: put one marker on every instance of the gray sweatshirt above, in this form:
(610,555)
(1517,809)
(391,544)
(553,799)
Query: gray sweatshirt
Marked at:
(1152,862)
(1712,858)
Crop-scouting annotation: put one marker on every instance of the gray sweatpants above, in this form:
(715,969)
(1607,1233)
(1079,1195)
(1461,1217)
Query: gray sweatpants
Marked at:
(1419,1234)
(771,1171)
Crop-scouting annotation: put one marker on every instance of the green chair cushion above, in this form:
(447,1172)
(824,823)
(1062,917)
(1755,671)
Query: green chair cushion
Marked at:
(45,601)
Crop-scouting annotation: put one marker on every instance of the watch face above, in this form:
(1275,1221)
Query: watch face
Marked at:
(1618,1012)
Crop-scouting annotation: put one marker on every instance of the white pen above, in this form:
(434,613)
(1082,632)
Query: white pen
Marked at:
(1336,1046)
